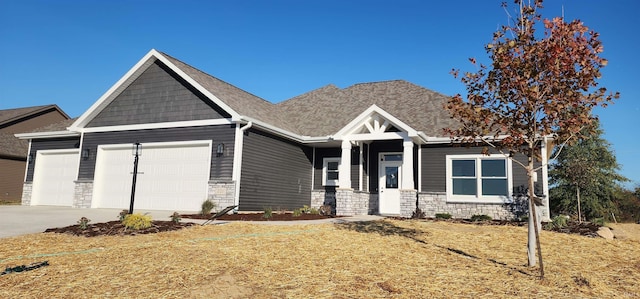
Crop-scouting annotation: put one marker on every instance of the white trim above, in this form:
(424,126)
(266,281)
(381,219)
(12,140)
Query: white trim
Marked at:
(419,168)
(360,166)
(325,162)
(479,198)
(26,166)
(157,144)
(80,158)
(236,174)
(57,151)
(38,135)
(313,168)
(379,136)
(175,124)
(363,120)
(131,75)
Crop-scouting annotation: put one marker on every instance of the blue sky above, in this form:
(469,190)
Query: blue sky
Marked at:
(70,52)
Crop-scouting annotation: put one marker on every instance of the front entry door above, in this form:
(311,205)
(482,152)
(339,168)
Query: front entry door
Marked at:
(390,173)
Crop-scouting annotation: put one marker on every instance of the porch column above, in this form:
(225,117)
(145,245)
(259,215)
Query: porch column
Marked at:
(344,172)
(407,164)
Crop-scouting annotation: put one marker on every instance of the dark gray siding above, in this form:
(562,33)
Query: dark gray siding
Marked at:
(49,144)
(157,95)
(275,173)
(434,172)
(322,153)
(221,167)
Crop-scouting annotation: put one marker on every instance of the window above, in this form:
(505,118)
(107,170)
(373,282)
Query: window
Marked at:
(330,171)
(478,178)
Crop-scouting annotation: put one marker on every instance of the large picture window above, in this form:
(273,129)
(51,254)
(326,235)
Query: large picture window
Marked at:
(330,171)
(478,178)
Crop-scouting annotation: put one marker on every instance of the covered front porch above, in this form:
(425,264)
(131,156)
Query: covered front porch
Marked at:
(373,171)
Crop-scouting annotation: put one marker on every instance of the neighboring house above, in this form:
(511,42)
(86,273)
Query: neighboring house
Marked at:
(13,151)
(372,148)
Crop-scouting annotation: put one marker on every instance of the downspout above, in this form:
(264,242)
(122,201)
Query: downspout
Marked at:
(237,161)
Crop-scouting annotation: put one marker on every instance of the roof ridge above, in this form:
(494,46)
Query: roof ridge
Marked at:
(26,111)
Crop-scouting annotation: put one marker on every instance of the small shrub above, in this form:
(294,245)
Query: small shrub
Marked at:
(598,221)
(418,214)
(305,209)
(137,221)
(477,218)
(123,214)
(268,213)
(207,206)
(84,222)
(443,216)
(297,212)
(175,217)
(314,211)
(325,210)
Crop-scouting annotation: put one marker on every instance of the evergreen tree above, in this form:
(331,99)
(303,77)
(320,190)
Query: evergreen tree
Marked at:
(585,175)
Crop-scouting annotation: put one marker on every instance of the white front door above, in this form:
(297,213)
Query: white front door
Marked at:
(390,174)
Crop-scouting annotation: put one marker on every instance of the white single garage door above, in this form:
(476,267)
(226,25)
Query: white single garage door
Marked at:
(53,177)
(171,176)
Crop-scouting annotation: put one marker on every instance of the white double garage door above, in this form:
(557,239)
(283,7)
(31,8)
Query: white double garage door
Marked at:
(171,176)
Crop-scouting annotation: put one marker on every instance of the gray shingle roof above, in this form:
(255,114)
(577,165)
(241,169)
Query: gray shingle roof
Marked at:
(326,110)
(244,103)
(10,146)
(10,115)
(56,127)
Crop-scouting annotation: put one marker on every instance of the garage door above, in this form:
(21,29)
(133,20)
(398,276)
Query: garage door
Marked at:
(53,177)
(171,176)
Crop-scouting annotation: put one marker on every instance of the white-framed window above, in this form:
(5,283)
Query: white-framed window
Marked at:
(479,178)
(330,171)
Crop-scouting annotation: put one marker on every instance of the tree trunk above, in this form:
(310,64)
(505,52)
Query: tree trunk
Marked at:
(579,210)
(533,233)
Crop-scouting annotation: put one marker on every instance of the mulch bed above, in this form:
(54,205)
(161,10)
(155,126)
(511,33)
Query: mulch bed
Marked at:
(259,217)
(587,229)
(115,228)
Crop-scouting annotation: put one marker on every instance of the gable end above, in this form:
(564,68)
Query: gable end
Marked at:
(157,95)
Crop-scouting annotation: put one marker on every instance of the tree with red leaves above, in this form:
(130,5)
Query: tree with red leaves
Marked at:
(536,87)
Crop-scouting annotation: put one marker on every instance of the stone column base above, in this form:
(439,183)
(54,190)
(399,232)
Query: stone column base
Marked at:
(222,193)
(27,190)
(83,194)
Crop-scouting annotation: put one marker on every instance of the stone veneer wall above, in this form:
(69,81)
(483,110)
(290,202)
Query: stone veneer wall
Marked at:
(27,190)
(436,202)
(407,202)
(83,194)
(350,202)
(222,193)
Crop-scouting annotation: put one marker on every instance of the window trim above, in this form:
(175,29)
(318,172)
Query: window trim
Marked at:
(479,198)
(325,163)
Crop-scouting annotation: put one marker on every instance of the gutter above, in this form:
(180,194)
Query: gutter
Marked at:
(38,135)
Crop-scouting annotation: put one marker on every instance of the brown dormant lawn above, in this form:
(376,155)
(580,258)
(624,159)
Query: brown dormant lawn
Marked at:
(382,259)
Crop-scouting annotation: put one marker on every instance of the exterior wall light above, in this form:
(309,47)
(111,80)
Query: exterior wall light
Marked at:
(85,154)
(220,150)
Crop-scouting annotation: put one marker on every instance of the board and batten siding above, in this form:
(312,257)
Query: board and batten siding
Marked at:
(434,166)
(157,95)
(221,167)
(49,144)
(276,173)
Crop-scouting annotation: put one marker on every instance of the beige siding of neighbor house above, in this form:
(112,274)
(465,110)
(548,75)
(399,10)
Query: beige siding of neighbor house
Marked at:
(11,177)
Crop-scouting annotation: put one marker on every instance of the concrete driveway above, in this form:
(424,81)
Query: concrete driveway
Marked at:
(21,220)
